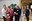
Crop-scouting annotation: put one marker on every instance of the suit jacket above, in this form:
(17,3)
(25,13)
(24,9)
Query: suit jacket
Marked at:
(17,11)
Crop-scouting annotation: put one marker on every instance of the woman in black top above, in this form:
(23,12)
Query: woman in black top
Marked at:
(27,13)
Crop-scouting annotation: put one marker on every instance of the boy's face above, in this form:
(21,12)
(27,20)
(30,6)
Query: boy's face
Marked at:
(4,7)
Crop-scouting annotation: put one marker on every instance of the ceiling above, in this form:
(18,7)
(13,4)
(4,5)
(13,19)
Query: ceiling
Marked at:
(24,2)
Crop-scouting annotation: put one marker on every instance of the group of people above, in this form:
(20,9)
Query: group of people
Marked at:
(17,12)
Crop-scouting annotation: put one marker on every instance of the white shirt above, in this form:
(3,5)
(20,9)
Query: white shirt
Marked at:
(22,13)
(3,12)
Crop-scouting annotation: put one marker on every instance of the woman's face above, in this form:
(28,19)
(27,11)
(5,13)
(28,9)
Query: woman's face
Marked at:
(10,7)
(27,7)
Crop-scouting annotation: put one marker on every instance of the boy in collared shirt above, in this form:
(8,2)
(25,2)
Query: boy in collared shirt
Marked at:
(4,12)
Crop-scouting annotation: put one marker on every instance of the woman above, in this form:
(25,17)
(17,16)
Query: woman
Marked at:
(27,13)
(22,14)
(11,13)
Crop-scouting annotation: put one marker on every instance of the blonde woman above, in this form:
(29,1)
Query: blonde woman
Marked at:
(22,14)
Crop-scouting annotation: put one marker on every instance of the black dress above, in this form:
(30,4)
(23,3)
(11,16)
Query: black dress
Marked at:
(27,14)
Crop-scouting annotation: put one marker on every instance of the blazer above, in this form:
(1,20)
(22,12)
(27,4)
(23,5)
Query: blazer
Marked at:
(17,11)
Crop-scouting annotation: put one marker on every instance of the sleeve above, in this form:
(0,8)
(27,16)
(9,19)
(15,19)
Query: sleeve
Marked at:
(2,12)
(14,11)
(7,11)
(20,12)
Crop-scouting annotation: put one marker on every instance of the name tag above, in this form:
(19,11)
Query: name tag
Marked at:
(17,10)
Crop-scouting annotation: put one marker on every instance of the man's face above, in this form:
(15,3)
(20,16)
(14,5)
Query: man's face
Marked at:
(17,7)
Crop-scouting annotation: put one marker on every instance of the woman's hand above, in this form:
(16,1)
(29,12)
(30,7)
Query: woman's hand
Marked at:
(24,14)
(14,12)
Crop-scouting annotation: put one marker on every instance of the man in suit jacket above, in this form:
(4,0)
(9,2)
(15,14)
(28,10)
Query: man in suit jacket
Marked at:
(17,12)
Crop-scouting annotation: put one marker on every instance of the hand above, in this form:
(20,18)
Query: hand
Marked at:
(24,14)
(14,12)
(7,14)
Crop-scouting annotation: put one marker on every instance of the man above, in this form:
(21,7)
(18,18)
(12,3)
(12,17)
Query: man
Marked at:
(17,12)
(27,13)
(4,12)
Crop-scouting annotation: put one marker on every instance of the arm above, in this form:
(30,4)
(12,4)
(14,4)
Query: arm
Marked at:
(2,12)
(20,12)
(14,11)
